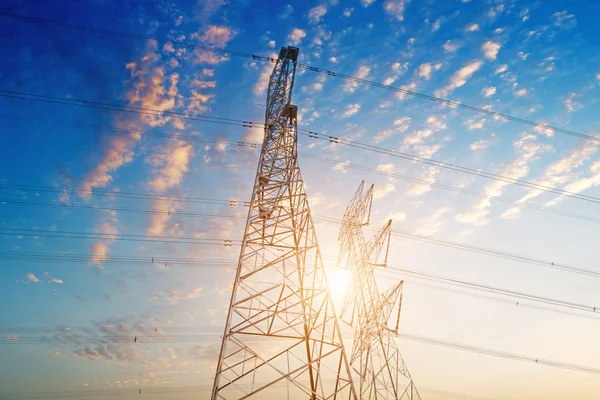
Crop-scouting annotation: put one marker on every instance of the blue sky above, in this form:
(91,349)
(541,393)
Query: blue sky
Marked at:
(530,59)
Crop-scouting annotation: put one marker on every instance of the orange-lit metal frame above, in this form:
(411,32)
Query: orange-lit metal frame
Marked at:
(375,357)
(282,338)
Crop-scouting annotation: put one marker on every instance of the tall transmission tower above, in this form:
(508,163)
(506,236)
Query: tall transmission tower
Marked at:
(375,357)
(282,337)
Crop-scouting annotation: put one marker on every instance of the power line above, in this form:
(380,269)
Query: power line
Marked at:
(317,158)
(497,353)
(110,236)
(451,188)
(311,134)
(207,337)
(128,130)
(453,167)
(404,234)
(178,43)
(169,262)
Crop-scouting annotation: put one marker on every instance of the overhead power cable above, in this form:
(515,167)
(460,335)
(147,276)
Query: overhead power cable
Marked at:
(110,236)
(311,134)
(497,353)
(177,43)
(316,158)
(64,259)
(317,218)
(208,337)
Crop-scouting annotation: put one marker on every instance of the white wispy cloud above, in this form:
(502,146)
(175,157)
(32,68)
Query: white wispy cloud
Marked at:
(450,47)
(459,78)
(480,144)
(362,72)
(488,91)
(395,8)
(490,49)
(316,13)
(561,171)
(351,110)
(562,19)
(570,103)
(501,68)
(296,36)
(32,278)
(472,28)
(528,149)
(383,190)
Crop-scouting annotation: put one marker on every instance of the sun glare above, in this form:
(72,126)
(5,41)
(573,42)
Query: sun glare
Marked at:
(339,282)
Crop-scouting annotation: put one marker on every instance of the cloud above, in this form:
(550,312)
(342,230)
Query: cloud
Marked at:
(396,216)
(511,213)
(348,12)
(473,123)
(472,28)
(417,136)
(296,36)
(198,102)
(560,171)
(395,8)
(206,57)
(488,91)
(351,110)
(199,84)
(286,12)
(333,60)
(152,89)
(261,85)
(173,160)
(425,71)
(53,280)
(341,166)
(362,73)
(367,3)
(432,224)
(520,92)
(410,87)
(402,124)
(271,44)
(168,47)
(459,78)
(316,13)
(563,19)
(419,189)
(527,148)
(32,278)
(98,252)
(215,35)
(490,49)
(382,135)
(382,191)
(450,47)
(480,144)
(501,68)
(570,103)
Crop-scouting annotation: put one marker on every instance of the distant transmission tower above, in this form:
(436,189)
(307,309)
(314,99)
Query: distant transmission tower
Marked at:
(375,357)
(282,338)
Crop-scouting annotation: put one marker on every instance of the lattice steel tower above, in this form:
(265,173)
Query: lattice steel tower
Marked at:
(375,357)
(282,337)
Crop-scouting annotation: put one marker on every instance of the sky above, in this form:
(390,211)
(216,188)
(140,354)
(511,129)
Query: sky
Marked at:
(90,197)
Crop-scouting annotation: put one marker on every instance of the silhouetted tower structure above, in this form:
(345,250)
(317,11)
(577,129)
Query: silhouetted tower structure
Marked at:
(375,357)
(282,338)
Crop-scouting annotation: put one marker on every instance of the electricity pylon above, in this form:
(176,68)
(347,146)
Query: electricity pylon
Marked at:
(375,356)
(282,337)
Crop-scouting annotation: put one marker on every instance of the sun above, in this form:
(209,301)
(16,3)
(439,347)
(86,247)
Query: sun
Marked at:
(339,282)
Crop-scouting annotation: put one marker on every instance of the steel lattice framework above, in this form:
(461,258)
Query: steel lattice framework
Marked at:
(282,337)
(375,356)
